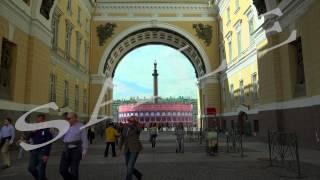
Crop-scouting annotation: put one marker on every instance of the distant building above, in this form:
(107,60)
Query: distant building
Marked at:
(164,114)
(179,100)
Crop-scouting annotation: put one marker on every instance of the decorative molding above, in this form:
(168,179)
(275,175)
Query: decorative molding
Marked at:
(147,25)
(102,8)
(131,17)
(202,12)
(105,31)
(222,5)
(97,79)
(87,6)
(210,80)
(237,25)
(204,32)
(154,35)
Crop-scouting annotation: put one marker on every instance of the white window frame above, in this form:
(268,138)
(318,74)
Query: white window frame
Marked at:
(241,92)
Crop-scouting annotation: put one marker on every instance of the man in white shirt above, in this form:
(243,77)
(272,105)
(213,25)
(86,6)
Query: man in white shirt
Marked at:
(7,135)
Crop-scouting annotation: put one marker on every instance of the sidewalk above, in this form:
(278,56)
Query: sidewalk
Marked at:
(163,163)
(311,156)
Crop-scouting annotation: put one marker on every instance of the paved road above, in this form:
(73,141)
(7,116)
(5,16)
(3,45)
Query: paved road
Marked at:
(163,163)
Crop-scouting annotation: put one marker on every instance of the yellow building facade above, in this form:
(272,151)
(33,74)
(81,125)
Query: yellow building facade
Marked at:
(47,49)
(63,51)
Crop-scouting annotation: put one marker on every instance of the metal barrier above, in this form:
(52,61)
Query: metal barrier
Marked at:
(283,148)
(235,142)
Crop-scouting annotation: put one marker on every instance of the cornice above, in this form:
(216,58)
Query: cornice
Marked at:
(152,18)
(153,7)
(222,5)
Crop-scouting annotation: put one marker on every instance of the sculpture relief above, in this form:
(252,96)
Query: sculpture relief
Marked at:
(105,31)
(204,32)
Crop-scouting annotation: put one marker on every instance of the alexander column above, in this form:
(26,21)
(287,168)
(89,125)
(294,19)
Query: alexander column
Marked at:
(155,83)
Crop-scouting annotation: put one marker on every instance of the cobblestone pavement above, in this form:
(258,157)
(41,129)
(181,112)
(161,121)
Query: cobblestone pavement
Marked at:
(163,163)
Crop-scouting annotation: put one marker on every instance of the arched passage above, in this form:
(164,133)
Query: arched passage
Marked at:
(155,32)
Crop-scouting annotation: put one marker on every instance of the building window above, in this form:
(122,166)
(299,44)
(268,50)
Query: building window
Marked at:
(251,28)
(230,48)
(87,25)
(55,32)
(45,8)
(85,101)
(237,5)
(69,28)
(69,7)
(52,88)
(228,15)
(86,55)
(300,88)
(7,56)
(231,94)
(239,40)
(241,87)
(55,28)
(66,93)
(224,93)
(255,87)
(79,16)
(260,6)
(76,98)
(79,38)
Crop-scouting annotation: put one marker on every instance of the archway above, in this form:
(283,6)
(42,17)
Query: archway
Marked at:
(154,32)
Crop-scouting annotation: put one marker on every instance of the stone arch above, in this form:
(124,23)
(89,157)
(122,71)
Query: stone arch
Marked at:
(153,33)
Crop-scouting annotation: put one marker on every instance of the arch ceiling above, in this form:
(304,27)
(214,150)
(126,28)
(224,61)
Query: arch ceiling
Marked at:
(153,36)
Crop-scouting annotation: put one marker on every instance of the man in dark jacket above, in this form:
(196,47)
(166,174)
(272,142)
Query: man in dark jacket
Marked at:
(132,146)
(39,157)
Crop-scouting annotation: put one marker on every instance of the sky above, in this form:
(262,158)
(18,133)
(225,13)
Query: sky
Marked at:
(133,76)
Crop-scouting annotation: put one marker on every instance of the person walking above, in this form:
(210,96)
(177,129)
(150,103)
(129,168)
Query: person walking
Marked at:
(111,135)
(39,157)
(91,134)
(179,132)
(132,146)
(153,134)
(75,148)
(7,135)
(21,150)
